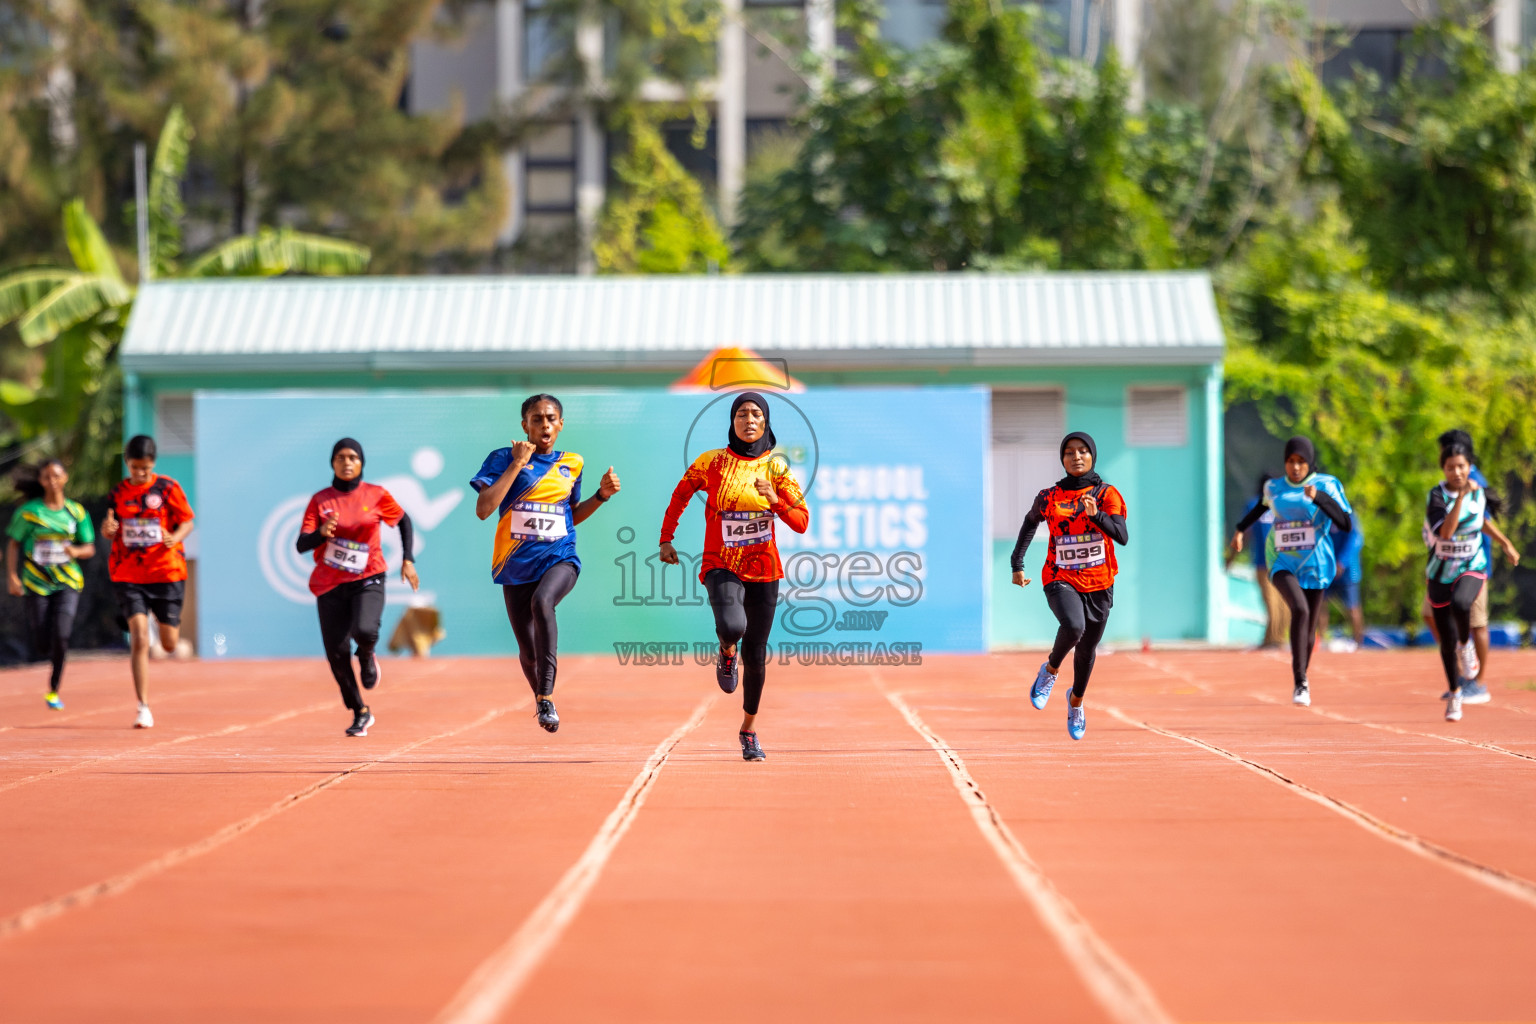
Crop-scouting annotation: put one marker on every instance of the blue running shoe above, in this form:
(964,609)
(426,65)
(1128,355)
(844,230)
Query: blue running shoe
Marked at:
(1076,724)
(1041,691)
(54,700)
(1474,692)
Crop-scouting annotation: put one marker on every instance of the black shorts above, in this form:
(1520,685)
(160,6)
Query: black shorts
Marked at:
(161,599)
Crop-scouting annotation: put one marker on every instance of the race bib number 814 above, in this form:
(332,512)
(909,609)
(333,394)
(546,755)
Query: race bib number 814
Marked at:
(346,555)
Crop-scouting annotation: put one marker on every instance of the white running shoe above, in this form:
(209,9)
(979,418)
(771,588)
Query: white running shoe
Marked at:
(1453,707)
(145,720)
(1302,695)
(1466,653)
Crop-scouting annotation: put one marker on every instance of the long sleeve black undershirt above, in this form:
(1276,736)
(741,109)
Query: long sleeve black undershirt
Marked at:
(310,541)
(1330,508)
(1112,526)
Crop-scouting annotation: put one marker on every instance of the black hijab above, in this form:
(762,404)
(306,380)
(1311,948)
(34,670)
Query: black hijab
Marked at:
(347,486)
(1302,446)
(1088,479)
(765,443)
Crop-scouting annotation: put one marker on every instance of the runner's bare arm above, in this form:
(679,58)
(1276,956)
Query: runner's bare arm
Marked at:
(1510,551)
(606,488)
(13,567)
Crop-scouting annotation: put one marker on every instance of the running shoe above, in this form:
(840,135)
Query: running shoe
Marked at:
(1041,691)
(750,751)
(1466,654)
(1474,692)
(547,715)
(361,720)
(1302,695)
(1453,707)
(1076,724)
(145,719)
(55,701)
(725,671)
(370,673)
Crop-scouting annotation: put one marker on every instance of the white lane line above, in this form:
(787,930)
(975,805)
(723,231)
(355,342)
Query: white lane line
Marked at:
(496,982)
(87,895)
(1405,732)
(226,731)
(1503,882)
(1119,990)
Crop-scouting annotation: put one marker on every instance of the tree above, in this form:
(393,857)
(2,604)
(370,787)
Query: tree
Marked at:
(67,397)
(660,222)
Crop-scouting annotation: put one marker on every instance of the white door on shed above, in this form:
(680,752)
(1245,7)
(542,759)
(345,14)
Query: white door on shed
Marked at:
(1026,431)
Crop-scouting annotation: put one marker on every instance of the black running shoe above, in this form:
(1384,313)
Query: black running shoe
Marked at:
(725,671)
(361,720)
(370,673)
(548,717)
(750,751)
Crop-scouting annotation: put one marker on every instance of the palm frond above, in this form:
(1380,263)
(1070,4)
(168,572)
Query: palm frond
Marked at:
(22,290)
(165,205)
(86,242)
(282,251)
(72,302)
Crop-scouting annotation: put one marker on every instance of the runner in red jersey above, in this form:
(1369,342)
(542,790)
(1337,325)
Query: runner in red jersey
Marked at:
(341,526)
(746,487)
(147,519)
(1086,519)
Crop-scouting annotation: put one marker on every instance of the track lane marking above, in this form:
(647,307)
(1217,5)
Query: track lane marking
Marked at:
(1510,885)
(1405,732)
(228,730)
(93,893)
(496,983)
(1113,984)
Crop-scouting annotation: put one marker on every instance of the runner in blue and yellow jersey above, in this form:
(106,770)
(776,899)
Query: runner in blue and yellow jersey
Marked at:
(1456,520)
(537,491)
(1299,554)
(47,538)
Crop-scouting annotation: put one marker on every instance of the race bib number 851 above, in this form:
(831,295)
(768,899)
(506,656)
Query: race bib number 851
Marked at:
(142,533)
(537,520)
(1295,536)
(738,528)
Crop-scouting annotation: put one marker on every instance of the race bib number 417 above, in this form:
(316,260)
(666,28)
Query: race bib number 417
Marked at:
(537,520)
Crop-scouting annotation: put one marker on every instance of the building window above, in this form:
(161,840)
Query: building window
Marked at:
(913,23)
(548,40)
(1026,431)
(1156,417)
(549,171)
(175,428)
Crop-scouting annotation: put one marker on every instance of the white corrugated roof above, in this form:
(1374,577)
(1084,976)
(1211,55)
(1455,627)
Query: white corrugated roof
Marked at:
(825,321)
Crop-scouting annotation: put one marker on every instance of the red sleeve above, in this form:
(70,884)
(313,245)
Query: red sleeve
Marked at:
(311,521)
(796,517)
(389,510)
(176,502)
(681,494)
(1113,503)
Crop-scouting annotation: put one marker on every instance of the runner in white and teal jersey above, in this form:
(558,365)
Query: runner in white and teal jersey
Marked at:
(1299,552)
(1458,514)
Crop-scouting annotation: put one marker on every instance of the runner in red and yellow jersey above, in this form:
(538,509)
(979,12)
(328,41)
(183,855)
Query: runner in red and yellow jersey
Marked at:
(746,487)
(341,526)
(1086,519)
(147,519)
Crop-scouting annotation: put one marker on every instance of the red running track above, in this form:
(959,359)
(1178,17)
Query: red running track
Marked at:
(921,845)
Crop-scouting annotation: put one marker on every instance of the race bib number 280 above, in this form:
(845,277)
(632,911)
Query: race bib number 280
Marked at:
(1460,548)
(537,520)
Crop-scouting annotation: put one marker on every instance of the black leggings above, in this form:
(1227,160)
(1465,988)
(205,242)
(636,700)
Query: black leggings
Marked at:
(52,618)
(1304,605)
(531,610)
(351,612)
(1452,607)
(743,619)
(1083,618)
